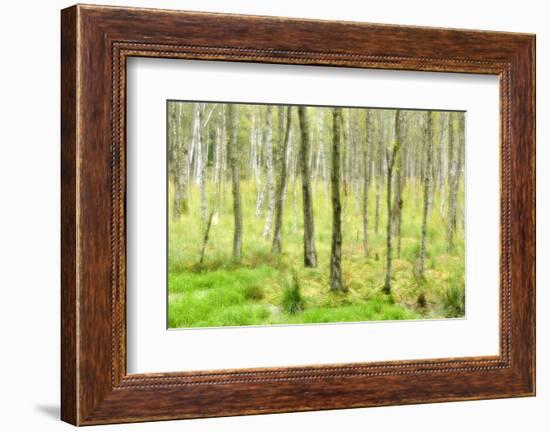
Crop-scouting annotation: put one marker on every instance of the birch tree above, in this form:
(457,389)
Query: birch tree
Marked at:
(180,161)
(391,156)
(281,165)
(270,184)
(379,169)
(336,282)
(367,144)
(400,125)
(310,253)
(455,167)
(427,154)
(232,150)
(220,161)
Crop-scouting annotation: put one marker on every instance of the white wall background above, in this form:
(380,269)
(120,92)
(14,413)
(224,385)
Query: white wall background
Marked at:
(29,215)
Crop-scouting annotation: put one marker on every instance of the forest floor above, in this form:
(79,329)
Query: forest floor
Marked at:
(264,289)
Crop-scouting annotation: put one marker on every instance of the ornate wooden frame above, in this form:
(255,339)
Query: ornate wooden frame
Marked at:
(95,43)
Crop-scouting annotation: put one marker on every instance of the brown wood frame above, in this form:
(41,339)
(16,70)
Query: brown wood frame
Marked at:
(95,43)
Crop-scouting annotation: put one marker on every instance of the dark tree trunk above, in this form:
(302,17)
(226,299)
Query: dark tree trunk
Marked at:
(390,161)
(427,174)
(336,283)
(277,245)
(310,254)
(235,181)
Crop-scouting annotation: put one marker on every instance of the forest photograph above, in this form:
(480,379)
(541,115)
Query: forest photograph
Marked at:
(295,214)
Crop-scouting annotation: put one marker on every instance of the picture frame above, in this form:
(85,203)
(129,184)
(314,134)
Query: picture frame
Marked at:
(96,42)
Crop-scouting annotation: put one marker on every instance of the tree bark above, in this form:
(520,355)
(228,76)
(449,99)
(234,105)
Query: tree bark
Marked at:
(379,169)
(202,145)
(261,188)
(277,245)
(219,166)
(399,178)
(206,236)
(181,163)
(366,156)
(457,130)
(336,282)
(460,160)
(310,253)
(270,184)
(344,160)
(319,162)
(427,174)
(235,181)
(390,162)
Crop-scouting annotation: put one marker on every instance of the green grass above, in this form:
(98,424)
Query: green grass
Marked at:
(292,301)
(264,289)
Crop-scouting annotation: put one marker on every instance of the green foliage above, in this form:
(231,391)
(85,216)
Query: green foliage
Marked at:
(453,301)
(292,301)
(221,292)
(254,292)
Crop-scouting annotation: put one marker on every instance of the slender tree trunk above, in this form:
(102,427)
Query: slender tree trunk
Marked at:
(427,174)
(320,150)
(310,253)
(366,156)
(223,167)
(379,162)
(181,164)
(270,183)
(219,165)
(260,199)
(197,145)
(444,138)
(390,162)
(253,147)
(457,131)
(277,245)
(451,177)
(235,181)
(203,162)
(289,163)
(399,178)
(344,165)
(355,162)
(294,205)
(206,236)
(336,282)
(293,163)
(460,162)
(261,188)
(377,205)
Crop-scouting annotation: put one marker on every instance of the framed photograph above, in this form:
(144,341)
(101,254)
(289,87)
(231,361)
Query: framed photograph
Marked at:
(264,214)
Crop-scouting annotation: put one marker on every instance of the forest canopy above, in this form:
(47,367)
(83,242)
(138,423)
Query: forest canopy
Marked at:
(304,214)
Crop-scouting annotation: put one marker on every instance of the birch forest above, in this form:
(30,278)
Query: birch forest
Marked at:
(303,214)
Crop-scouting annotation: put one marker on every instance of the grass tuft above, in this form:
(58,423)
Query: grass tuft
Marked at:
(292,301)
(453,301)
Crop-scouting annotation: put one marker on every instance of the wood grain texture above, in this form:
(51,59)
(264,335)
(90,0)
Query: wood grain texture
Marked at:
(96,41)
(69,397)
